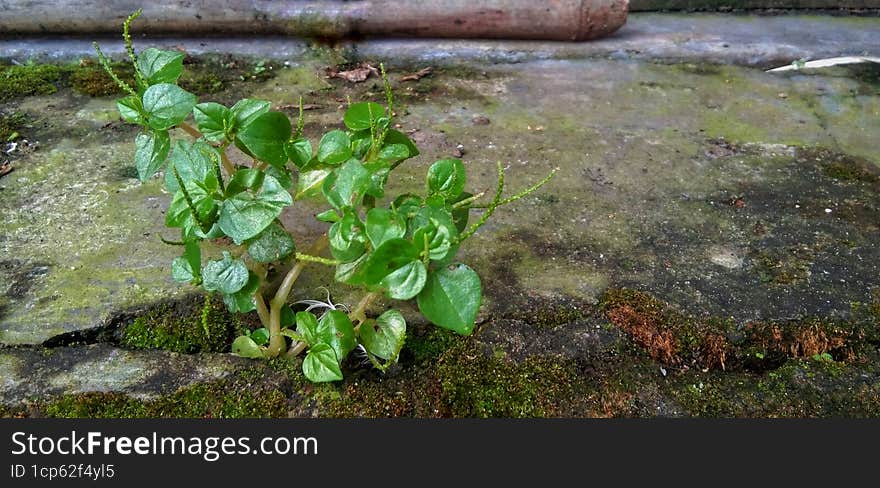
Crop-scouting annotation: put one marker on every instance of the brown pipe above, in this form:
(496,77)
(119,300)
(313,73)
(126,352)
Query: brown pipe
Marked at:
(571,20)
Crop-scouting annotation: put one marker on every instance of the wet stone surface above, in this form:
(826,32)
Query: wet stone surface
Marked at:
(724,192)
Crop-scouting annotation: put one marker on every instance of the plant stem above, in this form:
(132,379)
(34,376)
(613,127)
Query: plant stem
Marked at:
(262,311)
(519,195)
(359,314)
(469,200)
(296,349)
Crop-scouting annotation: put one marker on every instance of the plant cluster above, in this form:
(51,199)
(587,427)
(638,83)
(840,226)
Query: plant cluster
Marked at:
(404,249)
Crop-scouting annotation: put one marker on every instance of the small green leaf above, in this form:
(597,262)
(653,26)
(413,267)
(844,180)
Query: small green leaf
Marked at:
(158,66)
(394,152)
(283,176)
(264,138)
(346,186)
(334,148)
(328,216)
(245,215)
(245,347)
(132,110)
(347,240)
(390,256)
(213,120)
(299,152)
(385,336)
(407,281)
(307,326)
(194,165)
(397,137)
(336,330)
(362,115)
(167,105)
(383,224)
(311,182)
(246,110)
(346,272)
(447,178)
(379,171)
(242,301)
(260,336)
(434,239)
(288,318)
(245,179)
(407,205)
(150,152)
(320,364)
(273,244)
(227,275)
(187,268)
(451,298)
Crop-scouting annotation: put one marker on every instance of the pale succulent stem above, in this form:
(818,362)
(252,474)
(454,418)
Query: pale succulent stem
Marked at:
(262,310)
(277,344)
(359,315)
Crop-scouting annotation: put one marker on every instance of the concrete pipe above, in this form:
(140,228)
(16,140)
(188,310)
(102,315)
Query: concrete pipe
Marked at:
(568,20)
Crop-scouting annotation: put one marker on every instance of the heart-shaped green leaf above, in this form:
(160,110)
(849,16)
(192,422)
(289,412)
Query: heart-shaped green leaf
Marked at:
(242,301)
(451,298)
(311,182)
(385,336)
(383,224)
(393,136)
(131,109)
(213,120)
(245,347)
(336,330)
(157,66)
(194,165)
(320,364)
(406,281)
(447,178)
(264,138)
(273,244)
(390,256)
(363,115)
(334,148)
(307,326)
(187,268)
(227,275)
(346,186)
(246,110)
(299,152)
(167,105)
(246,214)
(150,152)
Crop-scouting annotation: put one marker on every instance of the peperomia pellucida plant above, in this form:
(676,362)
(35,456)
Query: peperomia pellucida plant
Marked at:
(404,249)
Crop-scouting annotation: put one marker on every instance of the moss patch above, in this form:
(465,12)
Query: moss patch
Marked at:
(184,327)
(10,125)
(30,79)
(91,79)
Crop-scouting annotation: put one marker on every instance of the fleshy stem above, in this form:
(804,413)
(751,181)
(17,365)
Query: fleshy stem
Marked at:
(105,63)
(519,195)
(277,344)
(359,314)
(489,210)
(126,35)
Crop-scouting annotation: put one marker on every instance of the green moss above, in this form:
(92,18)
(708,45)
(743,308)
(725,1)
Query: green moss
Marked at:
(428,344)
(250,393)
(786,266)
(92,80)
(201,82)
(29,79)
(183,328)
(547,314)
(473,384)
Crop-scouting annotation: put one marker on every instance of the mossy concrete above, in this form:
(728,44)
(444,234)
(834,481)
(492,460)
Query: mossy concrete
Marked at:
(730,201)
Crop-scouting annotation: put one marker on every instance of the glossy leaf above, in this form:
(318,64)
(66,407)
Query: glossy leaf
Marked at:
(273,244)
(132,110)
(194,164)
(394,152)
(447,178)
(187,268)
(179,213)
(320,364)
(167,105)
(393,136)
(245,347)
(362,115)
(159,66)
(245,179)
(435,239)
(246,110)
(242,301)
(213,120)
(329,216)
(385,336)
(246,214)
(390,256)
(406,281)
(310,183)
(150,152)
(451,298)
(264,138)
(336,330)
(345,187)
(347,272)
(347,239)
(334,148)
(227,275)
(260,336)
(307,327)
(299,152)
(383,224)
(379,171)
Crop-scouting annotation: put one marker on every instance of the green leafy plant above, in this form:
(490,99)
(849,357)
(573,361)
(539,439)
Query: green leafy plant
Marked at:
(404,249)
